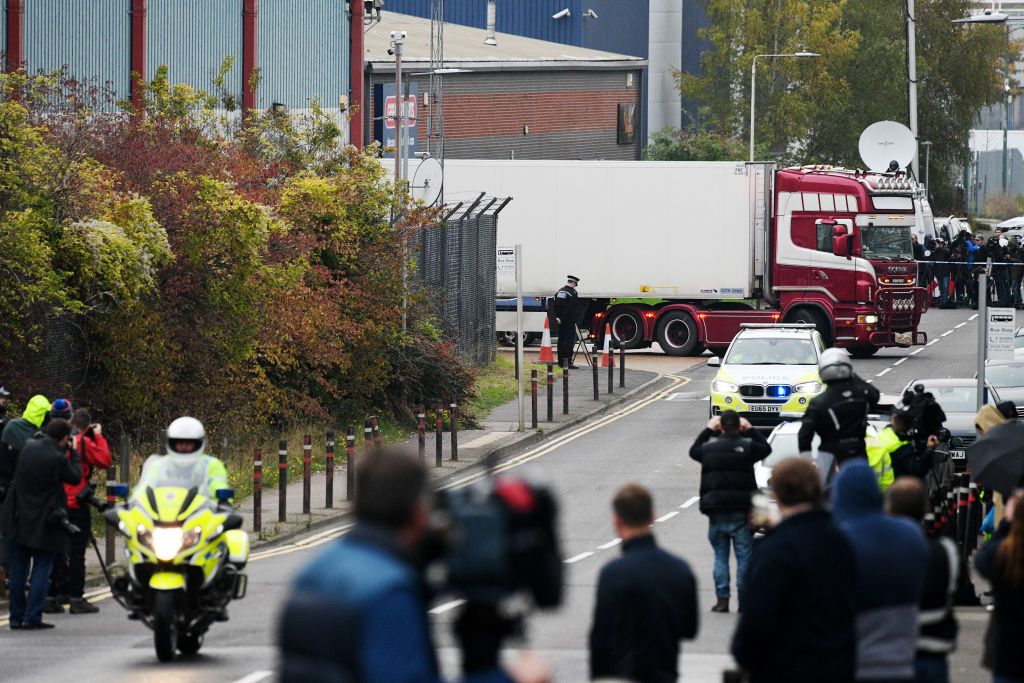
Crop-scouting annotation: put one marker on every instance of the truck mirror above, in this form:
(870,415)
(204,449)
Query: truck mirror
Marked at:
(842,245)
(839,230)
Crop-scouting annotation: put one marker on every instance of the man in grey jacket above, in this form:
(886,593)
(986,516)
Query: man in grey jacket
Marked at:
(891,557)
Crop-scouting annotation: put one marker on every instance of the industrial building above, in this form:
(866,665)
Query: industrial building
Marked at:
(299,47)
(519,99)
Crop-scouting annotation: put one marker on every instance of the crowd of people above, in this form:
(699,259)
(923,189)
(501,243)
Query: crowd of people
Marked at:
(47,457)
(955,268)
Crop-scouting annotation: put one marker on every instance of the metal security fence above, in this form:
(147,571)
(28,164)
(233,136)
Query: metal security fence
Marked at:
(456,265)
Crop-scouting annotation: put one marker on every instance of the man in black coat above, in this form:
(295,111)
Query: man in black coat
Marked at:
(797,626)
(726,485)
(31,519)
(562,316)
(646,601)
(839,415)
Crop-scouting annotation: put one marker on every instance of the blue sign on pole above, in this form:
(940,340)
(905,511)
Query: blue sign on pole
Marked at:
(385,124)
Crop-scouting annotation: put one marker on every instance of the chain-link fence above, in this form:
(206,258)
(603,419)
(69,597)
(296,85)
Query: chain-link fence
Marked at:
(457,265)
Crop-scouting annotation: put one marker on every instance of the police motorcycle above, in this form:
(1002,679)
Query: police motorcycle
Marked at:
(185,555)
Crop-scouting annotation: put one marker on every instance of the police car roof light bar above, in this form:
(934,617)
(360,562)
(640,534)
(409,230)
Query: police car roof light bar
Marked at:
(790,326)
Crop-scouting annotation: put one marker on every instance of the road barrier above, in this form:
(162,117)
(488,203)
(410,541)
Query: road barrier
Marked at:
(551,392)
(622,367)
(367,436)
(438,434)
(329,471)
(565,388)
(597,381)
(611,372)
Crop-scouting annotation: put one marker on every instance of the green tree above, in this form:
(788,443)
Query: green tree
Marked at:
(693,145)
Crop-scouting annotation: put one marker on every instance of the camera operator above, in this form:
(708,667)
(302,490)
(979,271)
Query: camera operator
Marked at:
(839,415)
(358,612)
(32,519)
(68,582)
(897,452)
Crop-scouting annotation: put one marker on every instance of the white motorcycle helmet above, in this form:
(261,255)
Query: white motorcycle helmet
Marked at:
(182,431)
(834,364)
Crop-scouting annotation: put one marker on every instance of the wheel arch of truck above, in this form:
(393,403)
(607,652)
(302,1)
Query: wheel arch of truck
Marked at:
(816,306)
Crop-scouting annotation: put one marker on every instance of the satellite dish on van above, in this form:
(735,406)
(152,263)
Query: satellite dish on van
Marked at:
(426,182)
(883,142)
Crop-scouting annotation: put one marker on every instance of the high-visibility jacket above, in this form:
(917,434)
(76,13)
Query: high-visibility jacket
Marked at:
(880,449)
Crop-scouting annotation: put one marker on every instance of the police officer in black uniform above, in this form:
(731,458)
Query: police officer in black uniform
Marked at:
(839,415)
(562,317)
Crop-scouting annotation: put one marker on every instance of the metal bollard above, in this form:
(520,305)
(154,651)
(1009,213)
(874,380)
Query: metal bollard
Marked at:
(421,433)
(597,388)
(329,458)
(378,440)
(622,366)
(438,433)
(257,491)
(110,530)
(307,471)
(282,481)
(367,436)
(350,462)
(551,393)
(565,388)
(533,399)
(611,372)
(453,411)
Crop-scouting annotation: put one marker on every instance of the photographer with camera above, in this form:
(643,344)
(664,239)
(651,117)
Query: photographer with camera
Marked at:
(358,612)
(67,585)
(34,520)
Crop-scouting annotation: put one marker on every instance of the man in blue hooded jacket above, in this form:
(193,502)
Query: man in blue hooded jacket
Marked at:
(891,558)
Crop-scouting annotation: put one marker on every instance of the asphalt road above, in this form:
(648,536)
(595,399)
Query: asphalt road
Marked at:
(644,441)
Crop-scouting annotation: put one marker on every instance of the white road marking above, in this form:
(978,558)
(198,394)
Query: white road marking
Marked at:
(946,333)
(672,397)
(254,677)
(871,381)
(960,325)
(973,316)
(883,372)
(914,353)
(667,516)
(690,502)
(933,341)
(610,544)
(901,361)
(576,558)
(441,609)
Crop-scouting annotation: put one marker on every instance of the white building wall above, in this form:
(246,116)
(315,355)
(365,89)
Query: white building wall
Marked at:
(666,34)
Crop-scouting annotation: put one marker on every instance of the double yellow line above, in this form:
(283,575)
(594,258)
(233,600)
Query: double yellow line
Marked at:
(541,450)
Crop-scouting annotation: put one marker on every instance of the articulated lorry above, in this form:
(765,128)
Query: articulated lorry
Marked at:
(683,253)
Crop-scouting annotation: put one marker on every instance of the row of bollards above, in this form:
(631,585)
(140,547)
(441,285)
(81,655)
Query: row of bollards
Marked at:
(565,386)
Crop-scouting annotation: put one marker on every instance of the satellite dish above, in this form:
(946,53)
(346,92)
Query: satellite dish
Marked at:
(426,182)
(883,142)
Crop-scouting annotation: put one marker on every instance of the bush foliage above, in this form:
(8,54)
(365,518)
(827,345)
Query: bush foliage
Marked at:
(242,268)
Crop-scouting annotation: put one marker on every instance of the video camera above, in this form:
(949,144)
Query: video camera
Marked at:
(87,496)
(498,539)
(60,517)
(926,415)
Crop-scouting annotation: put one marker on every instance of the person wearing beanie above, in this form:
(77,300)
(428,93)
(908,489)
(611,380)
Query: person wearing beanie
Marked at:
(61,408)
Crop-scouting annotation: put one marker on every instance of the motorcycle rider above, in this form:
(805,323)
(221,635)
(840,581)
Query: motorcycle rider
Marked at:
(185,461)
(839,415)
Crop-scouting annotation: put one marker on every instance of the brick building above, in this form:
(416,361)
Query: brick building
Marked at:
(520,99)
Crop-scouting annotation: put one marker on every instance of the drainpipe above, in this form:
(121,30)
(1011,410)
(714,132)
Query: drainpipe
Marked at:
(356,74)
(15,34)
(492,12)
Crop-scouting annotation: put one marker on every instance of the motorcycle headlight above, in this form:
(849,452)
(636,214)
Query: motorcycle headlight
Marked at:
(192,537)
(720,386)
(167,542)
(809,387)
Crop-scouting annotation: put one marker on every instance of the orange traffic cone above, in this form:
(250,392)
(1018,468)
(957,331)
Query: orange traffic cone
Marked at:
(545,345)
(607,357)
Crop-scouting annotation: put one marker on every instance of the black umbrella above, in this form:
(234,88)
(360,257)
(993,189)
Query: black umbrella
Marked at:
(996,459)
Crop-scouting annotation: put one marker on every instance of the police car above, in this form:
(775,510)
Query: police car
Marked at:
(768,370)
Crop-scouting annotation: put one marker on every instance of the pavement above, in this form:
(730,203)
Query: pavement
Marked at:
(644,438)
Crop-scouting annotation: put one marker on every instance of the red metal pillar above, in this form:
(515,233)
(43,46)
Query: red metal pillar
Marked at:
(138,52)
(16,34)
(250,11)
(357,71)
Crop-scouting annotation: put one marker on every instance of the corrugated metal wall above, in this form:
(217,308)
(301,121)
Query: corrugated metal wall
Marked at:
(192,37)
(621,27)
(529,18)
(92,38)
(302,50)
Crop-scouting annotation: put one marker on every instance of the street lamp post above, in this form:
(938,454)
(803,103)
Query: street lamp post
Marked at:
(753,86)
(927,149)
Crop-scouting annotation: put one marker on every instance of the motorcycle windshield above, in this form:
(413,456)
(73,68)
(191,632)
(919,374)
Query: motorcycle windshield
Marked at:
(175,471)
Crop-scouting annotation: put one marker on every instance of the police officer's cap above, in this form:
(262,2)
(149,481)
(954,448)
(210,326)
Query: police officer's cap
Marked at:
(573,279)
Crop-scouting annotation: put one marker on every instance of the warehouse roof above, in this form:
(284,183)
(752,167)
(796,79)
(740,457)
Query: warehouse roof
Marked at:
(464,49)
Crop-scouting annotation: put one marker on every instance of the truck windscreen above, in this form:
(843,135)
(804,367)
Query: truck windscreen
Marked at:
(886,242)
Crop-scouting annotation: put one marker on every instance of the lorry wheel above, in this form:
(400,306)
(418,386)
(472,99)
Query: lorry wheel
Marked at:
(508,338)
(677,334)
(165,626)
(810,316)
(627,329)
(862,351)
